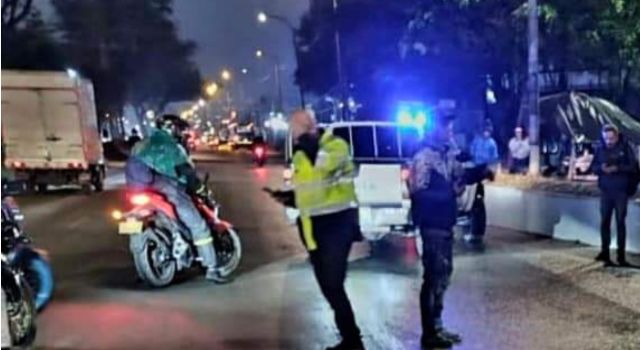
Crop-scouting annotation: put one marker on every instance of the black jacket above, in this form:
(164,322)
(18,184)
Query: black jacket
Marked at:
(620,155)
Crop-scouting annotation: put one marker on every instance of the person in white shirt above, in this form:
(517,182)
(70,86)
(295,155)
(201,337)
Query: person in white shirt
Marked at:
(519,151)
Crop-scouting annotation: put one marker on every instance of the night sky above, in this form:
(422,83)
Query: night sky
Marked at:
(227,34)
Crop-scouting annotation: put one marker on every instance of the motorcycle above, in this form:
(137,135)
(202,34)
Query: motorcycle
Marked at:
(260,155)
(18,306)
(19,254)
(161,245)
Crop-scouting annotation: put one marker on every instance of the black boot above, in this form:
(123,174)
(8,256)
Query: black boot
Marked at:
(454,337)
(436,341)
(348,345)
(603,256)
(622,261)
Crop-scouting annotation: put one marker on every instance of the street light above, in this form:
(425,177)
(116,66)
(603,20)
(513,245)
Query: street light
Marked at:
(225,74)
(201,102)
(262,17)
(245,71)
(211,89)
(276,76)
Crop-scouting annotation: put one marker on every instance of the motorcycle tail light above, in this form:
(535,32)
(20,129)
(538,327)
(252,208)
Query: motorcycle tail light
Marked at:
(259,151)
(116,215)
(139,199)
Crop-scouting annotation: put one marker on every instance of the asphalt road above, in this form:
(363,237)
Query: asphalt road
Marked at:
(523,292)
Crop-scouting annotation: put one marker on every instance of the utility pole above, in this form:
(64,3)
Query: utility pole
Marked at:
(341,81)
(533,89)
(276,74)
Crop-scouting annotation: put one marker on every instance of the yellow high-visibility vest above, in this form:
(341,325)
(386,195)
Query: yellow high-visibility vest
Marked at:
(325,187)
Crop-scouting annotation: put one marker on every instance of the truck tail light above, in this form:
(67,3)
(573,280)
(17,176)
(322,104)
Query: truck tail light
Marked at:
(18,165)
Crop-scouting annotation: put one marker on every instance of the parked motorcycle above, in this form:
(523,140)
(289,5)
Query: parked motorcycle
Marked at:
(161,245)
(20,255)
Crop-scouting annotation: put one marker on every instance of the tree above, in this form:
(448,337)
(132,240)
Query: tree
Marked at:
(14,12)
(30,46)
(131,51)
(369,32)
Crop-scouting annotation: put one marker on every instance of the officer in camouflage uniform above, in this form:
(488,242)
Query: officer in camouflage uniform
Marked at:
(437,179)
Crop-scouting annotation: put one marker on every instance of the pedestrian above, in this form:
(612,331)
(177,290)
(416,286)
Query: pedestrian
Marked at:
(436,179)
(617,169)
(484,152)
(519,150)
(324,194)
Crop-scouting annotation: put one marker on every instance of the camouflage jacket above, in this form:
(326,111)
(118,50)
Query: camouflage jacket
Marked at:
(441,159)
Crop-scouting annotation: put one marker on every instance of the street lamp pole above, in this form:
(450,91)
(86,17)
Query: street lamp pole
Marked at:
(341,81)
(262,18)
(276,76)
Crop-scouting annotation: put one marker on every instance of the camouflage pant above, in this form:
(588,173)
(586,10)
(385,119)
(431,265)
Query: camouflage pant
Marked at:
(437,260)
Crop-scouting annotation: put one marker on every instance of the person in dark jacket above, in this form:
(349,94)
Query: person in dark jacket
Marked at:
(436,179)
(614,163)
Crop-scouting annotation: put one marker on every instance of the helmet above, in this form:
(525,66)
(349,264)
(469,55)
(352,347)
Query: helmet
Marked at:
(172,124)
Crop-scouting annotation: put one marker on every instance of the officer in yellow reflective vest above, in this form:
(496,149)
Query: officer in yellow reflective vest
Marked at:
(328,223)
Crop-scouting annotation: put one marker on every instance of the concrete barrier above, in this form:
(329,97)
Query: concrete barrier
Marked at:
(562,216)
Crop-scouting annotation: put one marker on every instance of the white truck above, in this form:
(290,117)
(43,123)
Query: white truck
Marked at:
(381,152)
(50,130)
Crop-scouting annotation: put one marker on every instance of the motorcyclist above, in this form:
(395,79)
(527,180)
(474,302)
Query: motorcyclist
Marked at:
(161,163)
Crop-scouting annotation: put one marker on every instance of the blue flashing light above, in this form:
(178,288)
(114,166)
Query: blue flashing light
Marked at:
(404,117)
(415,115)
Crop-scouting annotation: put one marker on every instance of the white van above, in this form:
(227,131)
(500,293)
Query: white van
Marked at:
(381,152)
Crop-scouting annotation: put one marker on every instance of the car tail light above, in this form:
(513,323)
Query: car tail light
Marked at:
(139,199)
(18,164)
(76,165)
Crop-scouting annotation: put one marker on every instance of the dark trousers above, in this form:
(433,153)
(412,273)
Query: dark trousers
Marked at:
(334,234)
(479,214)
(437,260)
(610,203)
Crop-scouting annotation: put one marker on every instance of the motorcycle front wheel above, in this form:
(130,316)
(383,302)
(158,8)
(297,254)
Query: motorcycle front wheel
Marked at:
(21,313)
(228,251)
(153,261)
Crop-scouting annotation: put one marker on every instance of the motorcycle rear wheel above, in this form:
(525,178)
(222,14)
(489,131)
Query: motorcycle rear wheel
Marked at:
(228,251)
(154,263)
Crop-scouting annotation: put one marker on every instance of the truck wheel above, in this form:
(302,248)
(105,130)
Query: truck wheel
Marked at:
(98,179)
(41,188)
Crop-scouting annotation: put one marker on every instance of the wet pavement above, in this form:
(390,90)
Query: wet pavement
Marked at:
(523,292)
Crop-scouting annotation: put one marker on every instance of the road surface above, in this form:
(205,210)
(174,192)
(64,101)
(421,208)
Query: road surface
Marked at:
(524,292)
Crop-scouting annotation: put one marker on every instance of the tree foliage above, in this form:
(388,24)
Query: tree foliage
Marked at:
(455,48)
(131,51)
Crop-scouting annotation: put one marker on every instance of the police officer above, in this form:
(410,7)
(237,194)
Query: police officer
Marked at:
(325,196)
